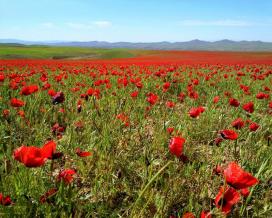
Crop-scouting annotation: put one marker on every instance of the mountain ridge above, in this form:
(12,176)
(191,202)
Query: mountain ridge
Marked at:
(196,44)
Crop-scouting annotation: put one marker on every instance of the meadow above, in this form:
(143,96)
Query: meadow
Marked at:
(159,134)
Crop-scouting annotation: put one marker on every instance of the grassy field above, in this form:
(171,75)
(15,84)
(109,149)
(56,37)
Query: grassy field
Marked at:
(8,51)
(127,116)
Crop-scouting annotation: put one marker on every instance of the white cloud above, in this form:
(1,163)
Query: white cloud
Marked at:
(48,25)
(102,23)
(90,25)
(223,23)
(79,25)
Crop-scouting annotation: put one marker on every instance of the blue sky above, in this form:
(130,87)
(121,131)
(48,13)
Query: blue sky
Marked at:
(136,21)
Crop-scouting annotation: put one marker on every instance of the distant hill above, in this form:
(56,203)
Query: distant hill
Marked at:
(222,45)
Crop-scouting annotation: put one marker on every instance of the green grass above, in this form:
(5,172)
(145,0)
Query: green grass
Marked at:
(131,172)
(9,51)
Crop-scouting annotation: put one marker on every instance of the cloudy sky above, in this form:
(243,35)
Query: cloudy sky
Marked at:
(136,21)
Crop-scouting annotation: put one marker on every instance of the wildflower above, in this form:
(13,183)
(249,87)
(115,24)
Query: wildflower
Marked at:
(229,134)
(176,146)
(226,198)
(238,178)
(16,102)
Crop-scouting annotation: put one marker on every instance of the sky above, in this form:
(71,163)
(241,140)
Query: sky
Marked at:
(136,21)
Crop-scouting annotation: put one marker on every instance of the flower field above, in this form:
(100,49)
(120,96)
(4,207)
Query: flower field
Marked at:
(152,136)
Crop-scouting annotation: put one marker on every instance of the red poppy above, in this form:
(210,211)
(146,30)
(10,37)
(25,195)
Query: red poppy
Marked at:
(249,107)
(5,201)
(253,126)
(229,134)
(176,146)
(166,85)
(49,149)
(170,104)
(2,77)
(262,95)
(81,153)
(217,170)
(30,156)
(66,175)
(195,112)
(28,90)
(5,112)
(188,215)
(170,130)
(134,94)
(216,99)
(181,96)
(205,214)
(234,102)
(152,98)
(245,192)
(21,113)
(46,86)
(16,102)
(218,141)
(51,92)
(238,178)
(238,123)
(226,198)
(270,104)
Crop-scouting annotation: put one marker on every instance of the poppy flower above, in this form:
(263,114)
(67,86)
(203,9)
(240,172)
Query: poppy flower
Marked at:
(16,102)
(48,194)
(238,178)
(216,99)
(270,104)
(262,95)
(229,134)
(5,112)
(152,98)
(81,153)
(217,170)
(51,92)
(234,102)
(30,156)
(166,85)
(2,77)
(49,149)
(249,107)
(218,141)
(21,113)
(28,90)
(176,146)
(46,86)
(245,192)
(124,118)
(188,215)
(170,130)
(205,214)
(134,94)
(195,112)
(58,98)
(226,198)
(5,201)
(238,123)
(66,175)
(170,104)
(181,96)
(253,126)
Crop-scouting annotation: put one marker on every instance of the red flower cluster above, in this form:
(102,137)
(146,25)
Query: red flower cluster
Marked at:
(32,156)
